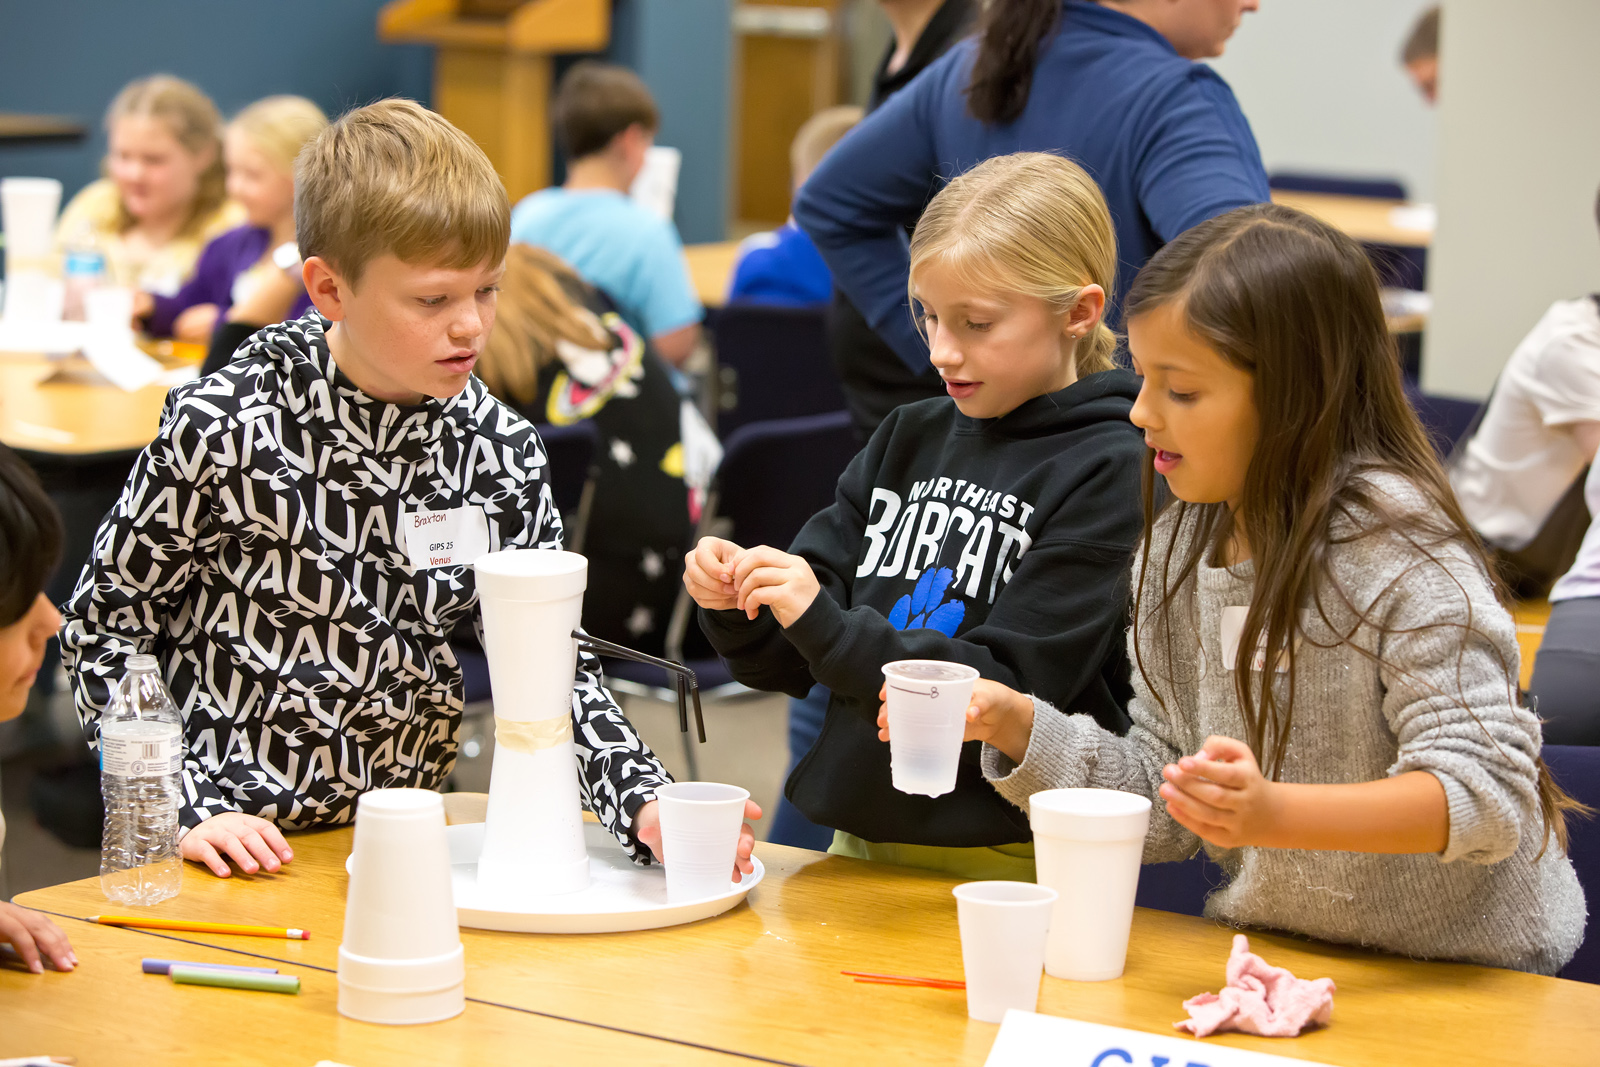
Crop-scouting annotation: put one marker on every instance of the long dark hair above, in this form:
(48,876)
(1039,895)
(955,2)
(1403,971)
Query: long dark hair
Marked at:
(1295,303)
(30,538)
(1009,38)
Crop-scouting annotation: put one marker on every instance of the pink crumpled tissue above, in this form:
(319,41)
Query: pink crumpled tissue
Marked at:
(1259,999)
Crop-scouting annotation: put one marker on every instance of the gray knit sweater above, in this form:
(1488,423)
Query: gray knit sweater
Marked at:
(1486,899)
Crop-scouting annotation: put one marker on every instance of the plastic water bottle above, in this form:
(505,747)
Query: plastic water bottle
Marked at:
(83,267)
(141,759)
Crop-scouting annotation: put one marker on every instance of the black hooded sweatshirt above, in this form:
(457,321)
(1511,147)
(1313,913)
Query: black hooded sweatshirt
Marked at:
(1000,543)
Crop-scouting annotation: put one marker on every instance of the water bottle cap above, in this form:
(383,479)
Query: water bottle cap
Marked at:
(142,662)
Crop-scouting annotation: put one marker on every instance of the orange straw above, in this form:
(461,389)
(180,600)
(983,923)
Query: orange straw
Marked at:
(292,933)
(872,978)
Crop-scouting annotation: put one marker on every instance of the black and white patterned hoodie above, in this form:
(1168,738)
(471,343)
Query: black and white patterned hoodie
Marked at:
(255,551)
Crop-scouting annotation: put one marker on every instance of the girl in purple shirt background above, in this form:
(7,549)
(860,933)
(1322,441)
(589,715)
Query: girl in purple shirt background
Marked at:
(238,270)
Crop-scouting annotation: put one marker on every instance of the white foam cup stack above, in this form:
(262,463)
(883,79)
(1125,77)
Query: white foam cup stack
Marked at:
(401,960)
(532,601)
(1087,846)
(700,825)
(1003,930)
(927,701)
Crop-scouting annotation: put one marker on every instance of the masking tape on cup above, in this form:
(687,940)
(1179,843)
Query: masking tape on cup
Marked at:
(532,736)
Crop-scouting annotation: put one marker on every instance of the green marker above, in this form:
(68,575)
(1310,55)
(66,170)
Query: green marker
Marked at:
(267,983)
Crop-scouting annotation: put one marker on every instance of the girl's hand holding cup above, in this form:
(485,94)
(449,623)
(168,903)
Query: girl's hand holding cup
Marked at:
(997,715)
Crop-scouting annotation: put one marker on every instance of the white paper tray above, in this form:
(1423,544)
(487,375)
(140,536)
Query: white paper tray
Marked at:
(621,896)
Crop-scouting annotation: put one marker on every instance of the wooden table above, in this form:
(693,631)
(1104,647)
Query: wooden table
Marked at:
(710,268)
(1363,218)
(762,980)
(59,406)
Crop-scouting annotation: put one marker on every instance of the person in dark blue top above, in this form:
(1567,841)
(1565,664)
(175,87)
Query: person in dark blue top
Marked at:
(1113,86)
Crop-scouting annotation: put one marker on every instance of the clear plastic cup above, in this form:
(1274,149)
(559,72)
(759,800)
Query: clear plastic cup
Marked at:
(532,601)
(109,309)
(927,701)
(1003,929)
(1087,846)
(401,959)
(700,824)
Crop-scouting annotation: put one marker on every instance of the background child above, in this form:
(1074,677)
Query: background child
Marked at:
(259,147)
(783,266)
(606,121)
(30,546)
(162,197)
(1326,683)
(992,529)
(259,548)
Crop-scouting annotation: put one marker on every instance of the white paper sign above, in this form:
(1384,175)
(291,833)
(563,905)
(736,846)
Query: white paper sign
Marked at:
(114,354)
(452,538)
(656,187)
(1030,1040)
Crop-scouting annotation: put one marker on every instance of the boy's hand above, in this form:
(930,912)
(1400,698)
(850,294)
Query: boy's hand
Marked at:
(998,716)
(34,936)
(648,823)
(251,842)
(708,573)
(782,582)
(1220,794)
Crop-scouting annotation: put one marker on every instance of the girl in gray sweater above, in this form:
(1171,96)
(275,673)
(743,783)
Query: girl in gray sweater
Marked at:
(1324,682)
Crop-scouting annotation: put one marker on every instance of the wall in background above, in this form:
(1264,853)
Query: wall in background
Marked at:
(1518,166)
(71,57)
(1322,86)
(683,50)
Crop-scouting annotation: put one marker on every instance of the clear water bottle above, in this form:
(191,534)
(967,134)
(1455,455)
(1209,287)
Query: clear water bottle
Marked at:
(141,760)
(83,267)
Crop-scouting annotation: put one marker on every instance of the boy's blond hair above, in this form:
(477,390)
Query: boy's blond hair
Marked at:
(280,126)
(819,133)
(1031,223)
(395,178)
(194,122)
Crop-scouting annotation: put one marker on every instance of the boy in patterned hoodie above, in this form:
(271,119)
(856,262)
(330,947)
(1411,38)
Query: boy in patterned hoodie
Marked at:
(260,549)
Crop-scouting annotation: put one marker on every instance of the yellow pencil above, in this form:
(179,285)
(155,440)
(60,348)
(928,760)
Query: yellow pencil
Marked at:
(290,932)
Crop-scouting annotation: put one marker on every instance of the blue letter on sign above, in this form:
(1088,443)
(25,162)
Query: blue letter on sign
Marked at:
(1108,1053)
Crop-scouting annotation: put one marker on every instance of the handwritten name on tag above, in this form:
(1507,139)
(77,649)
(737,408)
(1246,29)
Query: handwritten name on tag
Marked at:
(1232,628)
(1030,1040)
(452,538)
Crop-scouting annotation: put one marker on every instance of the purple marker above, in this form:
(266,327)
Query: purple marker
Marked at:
(150,966)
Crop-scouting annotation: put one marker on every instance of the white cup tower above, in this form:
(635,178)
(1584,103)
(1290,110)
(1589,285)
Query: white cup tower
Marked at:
(532,601)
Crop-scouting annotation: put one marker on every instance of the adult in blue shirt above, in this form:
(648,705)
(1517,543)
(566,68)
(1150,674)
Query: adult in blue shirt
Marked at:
(1113,85)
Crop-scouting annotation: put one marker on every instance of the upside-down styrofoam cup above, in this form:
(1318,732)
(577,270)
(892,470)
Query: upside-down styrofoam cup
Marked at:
(28,218)
(532,601)
(1003,927)
(700,825)
(401,959)
(927,701)
(1087,846)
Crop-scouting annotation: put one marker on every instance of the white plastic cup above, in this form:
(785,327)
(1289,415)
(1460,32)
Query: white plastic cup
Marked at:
(700,825)
(927,701)
(28,214)
(109,309)
(401,960)
(532,601)
(1003,929)
(1087,846)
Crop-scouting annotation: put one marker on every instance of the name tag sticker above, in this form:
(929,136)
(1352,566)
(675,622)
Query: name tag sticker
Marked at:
(1030,1040)
(452,538)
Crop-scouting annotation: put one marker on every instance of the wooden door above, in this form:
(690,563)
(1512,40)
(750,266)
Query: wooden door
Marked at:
(787,66)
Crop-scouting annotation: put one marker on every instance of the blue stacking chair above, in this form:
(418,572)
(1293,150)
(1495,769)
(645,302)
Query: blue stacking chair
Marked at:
(1445,418)
(772,363)
(1181,886)
(1576,768)
(774,476)
(1402,268)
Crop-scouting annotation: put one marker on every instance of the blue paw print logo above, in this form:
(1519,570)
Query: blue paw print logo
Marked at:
(926,608)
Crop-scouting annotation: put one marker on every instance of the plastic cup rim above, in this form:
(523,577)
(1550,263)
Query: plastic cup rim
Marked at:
(741,794)
(969,674)
(1042,894)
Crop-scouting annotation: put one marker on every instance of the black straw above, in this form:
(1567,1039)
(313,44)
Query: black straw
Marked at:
(683,679)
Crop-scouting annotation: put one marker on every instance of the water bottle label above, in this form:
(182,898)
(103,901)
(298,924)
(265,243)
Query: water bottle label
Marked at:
(80,264)
(141,757)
